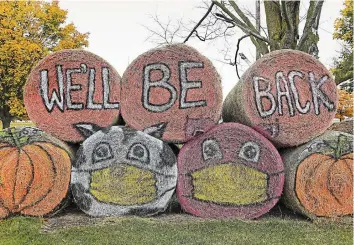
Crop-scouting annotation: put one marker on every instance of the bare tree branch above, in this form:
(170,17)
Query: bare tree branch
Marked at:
(284,13)
(198,24)
(236,54)
(310,22)
(244,29)
(261,43)
(242,15)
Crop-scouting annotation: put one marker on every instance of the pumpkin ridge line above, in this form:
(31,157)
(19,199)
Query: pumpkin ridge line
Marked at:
(16,171)
(29,186)
(50,188)
(328,184)
(38,143)
(346,163)
(306,187)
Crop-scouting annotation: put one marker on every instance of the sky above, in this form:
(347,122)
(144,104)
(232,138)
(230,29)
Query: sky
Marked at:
(118,30)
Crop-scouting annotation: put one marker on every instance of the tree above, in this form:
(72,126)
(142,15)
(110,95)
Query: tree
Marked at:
(281,30)
(345,104)
(343,30)
(29,30)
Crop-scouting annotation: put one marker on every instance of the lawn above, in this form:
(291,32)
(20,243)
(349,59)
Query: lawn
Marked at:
(175,229)
(19,124)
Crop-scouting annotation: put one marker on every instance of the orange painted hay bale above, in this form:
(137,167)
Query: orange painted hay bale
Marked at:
(34,172)
(319,177)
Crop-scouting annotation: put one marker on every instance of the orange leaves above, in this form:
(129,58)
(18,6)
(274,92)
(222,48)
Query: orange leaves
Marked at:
(345,107)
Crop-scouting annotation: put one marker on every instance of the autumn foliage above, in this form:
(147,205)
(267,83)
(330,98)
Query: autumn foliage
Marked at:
(345,106)
(29,31)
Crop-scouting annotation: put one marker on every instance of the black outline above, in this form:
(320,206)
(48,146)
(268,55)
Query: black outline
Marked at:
(148,92)
(133,157)
(180,84)
(94,160)
(41,91)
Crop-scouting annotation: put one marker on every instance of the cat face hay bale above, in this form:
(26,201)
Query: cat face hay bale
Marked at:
(229,172)
(287,95)
(319,177)
(70,87)
(34,172)
(121,171)
(176,85)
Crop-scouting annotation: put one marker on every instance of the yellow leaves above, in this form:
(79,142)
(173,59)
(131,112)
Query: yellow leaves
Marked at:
(345,107)
(343,26)
(29,30)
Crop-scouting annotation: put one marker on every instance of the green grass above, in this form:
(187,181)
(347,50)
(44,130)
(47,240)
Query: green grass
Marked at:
(134,230)
(19,124)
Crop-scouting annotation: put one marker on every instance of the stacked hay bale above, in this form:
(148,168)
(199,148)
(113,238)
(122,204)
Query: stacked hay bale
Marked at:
(121,171)
(287,95)
(34,172)
(230,171)
(319,177)
(70,87)
(176,85)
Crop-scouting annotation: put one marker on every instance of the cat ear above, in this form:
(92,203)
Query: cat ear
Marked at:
(87,129)
(156,130)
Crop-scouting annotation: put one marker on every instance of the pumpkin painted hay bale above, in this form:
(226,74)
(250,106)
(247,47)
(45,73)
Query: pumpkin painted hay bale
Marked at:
(121,171)
(70,87)
(229,172)
(174,84)
(34,172)
(287,95)
(319,177)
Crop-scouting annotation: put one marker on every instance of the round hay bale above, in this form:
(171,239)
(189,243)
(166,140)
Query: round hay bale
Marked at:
(121,171)
(319,177)
(287,95)
(34,172)
(229,172)
(344,126)
(70,87)
(176,85)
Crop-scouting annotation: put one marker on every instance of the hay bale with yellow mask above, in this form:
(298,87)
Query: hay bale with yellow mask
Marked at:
(229,172)
(121,171)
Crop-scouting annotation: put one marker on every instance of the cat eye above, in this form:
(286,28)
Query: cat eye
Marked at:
(250,151)
(138,152)
(211,150)
(102,152)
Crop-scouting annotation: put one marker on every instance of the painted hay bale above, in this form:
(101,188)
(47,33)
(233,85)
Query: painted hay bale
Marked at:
(70,87)
(229,172)
(34,172)
(174,84)
(319,177)
(287,95)
(121,171)
(344,126)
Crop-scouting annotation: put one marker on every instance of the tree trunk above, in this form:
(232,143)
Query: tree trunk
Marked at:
(6,122)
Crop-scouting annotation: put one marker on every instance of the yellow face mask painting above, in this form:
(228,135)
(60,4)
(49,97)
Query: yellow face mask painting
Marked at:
(123,185)
(230,184)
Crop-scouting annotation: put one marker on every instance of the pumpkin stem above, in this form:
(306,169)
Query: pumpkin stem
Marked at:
(14,137)
(338,150)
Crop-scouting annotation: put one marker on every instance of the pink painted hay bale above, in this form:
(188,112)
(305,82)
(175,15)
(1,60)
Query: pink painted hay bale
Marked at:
(287,95)
(229,172)
(70,87)
(176,85)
